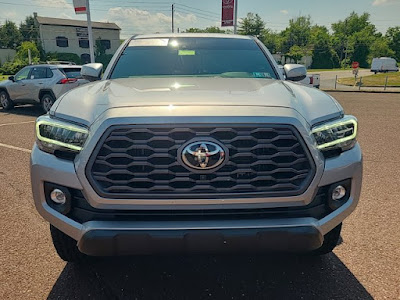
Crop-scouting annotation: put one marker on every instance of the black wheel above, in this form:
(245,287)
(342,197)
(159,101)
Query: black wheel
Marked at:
(66,246)
(331,240)
(47,102)
(5,101)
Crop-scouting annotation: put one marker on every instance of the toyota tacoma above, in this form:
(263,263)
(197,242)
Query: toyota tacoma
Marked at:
(194,143)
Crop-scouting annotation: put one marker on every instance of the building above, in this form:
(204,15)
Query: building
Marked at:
(71,36)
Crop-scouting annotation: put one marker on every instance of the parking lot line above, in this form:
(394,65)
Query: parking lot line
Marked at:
(10,124)
(15,148)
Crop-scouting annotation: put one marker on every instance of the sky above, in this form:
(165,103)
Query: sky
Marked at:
(135,16)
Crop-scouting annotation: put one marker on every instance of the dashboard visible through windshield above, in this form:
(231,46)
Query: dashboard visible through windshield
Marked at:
(197,57)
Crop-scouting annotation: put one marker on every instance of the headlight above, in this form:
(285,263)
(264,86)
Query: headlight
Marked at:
(53,135)
(336,135)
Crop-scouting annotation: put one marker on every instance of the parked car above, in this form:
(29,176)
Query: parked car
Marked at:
(384,65)
(311,80)
(39,84)
(195,143)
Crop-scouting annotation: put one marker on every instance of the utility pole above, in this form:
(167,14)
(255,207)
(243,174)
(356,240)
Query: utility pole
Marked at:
(90,32)
(235,17)
(173,12)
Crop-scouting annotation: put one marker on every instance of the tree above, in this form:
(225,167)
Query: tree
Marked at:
(271,40)
(297,33)
(23,50)
(29,30)
(354,37)
(211,29)
(323,55)
(393,36)
(380,47)
(10,37)
(295,53)
(252,24)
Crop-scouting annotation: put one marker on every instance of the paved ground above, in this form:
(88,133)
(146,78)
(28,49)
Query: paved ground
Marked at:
(328,79)
(366,265)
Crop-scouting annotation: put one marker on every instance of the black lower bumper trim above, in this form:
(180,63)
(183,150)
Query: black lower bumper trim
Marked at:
(139,242)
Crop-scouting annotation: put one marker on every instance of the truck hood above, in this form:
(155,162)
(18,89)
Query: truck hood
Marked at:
(86,103)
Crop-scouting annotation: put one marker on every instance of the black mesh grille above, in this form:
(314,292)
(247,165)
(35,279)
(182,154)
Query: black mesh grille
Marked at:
(136,162)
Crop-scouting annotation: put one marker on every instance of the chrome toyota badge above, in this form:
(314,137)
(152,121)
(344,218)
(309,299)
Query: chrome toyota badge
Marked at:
(203,155)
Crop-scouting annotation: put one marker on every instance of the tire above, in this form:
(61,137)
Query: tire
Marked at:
(47,102)
(66,246)
(5,101)
(331,240)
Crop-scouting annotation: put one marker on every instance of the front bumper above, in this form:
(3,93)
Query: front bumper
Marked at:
(162,236)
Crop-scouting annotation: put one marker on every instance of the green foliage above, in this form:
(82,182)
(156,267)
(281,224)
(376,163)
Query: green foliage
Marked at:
(13,67)
(212,29)
(297,34)
(323,55)
(393,36)
(99,49)
(271,40)
(252,24)
(295,53)
(55,56)
(10,36)
(104,59)
(22,53)
(29,30)
(380,47)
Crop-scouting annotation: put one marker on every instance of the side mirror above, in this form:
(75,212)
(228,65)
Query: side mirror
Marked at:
(295,72)
(92,72)
(12,78)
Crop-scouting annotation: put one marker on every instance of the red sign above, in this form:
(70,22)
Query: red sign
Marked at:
(80,6)
(355,64)
(228,8)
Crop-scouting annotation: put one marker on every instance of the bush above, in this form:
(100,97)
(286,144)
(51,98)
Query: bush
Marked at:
(11,68)
(72,57)
(104,59)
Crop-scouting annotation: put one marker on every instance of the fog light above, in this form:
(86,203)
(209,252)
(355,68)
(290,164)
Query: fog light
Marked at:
(58,196)
(338,193)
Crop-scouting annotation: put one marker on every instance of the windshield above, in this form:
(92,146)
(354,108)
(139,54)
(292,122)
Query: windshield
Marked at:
(206,57)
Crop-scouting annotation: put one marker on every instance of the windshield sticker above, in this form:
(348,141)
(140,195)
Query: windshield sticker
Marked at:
(149,43)
(261,75)
(187,52)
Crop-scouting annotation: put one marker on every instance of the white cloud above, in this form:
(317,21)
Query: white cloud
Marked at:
(53,3)
(10,14)
(284,11)
(135,21)
(384,2)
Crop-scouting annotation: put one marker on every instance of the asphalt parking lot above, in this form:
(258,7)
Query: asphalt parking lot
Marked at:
(366,265)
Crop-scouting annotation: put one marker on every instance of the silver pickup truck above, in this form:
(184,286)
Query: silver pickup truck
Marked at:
(195,143)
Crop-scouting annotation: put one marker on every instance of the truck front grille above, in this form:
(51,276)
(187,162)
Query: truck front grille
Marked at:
(139,162)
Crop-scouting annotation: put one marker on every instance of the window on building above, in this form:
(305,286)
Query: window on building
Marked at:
(62,41)
(106,44)
(84,43)
(85,58)
(38,73)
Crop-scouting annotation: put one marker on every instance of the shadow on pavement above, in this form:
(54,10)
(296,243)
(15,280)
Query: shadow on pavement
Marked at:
(210,277)
(23,110)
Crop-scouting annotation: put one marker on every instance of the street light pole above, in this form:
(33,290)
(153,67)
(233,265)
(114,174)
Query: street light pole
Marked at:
(173,12)
(235,17)
(90,32)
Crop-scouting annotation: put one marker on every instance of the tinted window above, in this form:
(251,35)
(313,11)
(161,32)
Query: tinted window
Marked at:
(84,43)
(38,73)
(106,44)
(23,74)
(49,73)
(72,72)
(62,41)
(223,57)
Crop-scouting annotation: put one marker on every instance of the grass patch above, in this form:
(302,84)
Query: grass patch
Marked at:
(377,80)
(327,70)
